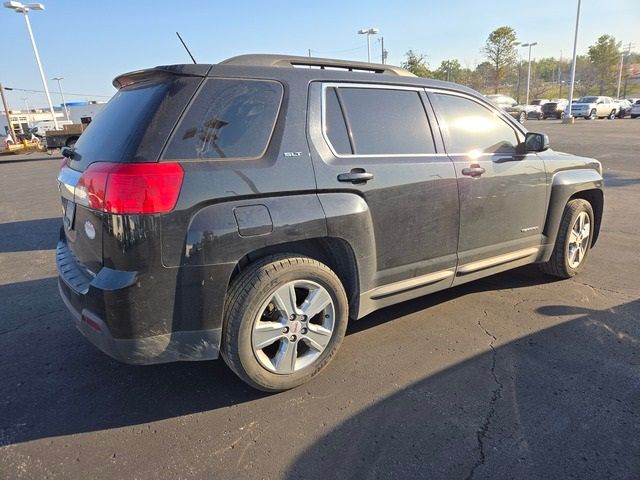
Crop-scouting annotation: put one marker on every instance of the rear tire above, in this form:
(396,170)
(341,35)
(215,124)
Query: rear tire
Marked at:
(71,142)
(573,242)
(612,115)
(268,339)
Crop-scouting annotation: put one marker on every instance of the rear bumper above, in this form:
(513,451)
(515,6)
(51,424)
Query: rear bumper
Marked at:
(86,299)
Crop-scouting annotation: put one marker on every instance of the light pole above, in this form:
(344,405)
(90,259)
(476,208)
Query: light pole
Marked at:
(64,104)
(26,103)
(569,118)
(368,32)
(529,69)
(24,9)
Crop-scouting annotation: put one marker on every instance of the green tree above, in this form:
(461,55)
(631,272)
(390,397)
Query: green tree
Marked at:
(500,51)
(417,64)
(448,70)
(604,55)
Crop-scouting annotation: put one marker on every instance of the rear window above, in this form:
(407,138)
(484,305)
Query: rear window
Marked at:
(228,119)
(135,124)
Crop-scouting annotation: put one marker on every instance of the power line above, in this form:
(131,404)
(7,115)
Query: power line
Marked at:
(66,93)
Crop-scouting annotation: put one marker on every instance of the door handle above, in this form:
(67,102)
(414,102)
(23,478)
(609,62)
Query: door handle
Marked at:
(473,171)
(357,175)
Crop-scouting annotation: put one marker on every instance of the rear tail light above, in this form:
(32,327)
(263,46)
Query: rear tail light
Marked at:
(130,188)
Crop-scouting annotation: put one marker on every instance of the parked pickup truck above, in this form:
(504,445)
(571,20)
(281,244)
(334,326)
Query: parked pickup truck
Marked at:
(67,137)
(591,108)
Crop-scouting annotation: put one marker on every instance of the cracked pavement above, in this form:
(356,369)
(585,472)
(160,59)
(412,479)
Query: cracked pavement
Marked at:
(514,376)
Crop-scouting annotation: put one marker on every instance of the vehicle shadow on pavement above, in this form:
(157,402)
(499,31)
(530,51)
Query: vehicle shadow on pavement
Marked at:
(563,402)
(29,235)
(55,383)
(522,277)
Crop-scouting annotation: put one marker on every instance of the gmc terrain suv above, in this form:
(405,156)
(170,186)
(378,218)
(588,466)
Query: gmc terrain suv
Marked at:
(249,209)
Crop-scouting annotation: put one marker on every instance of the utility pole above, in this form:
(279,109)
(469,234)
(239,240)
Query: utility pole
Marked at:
(626,78)
(309,52)
(6,112)
(382,59)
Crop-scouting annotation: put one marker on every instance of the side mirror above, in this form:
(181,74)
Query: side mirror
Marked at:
(535,142)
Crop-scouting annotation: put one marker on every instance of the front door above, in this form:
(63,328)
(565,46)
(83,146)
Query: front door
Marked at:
(503,195)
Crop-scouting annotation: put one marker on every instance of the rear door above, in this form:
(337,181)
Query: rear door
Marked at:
(502,194)
(377,142)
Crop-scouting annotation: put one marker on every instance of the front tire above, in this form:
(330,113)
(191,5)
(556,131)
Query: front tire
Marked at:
(592,115)
(285,318)
(522,117)
(612,115)
(573,242)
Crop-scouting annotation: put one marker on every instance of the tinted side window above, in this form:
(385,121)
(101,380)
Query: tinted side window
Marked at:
(387,122)
(228,119)
(335,125)
(472,127)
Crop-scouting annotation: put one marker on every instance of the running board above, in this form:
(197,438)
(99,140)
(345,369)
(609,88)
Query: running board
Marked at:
(495,261)
(411,284)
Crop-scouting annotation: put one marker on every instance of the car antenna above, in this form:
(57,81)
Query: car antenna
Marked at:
(186,48)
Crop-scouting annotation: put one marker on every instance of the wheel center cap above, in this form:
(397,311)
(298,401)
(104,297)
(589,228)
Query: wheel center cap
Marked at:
(296,326)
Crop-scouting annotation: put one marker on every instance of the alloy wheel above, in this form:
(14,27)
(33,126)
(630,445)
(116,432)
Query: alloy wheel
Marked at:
(293,327)
(579,240)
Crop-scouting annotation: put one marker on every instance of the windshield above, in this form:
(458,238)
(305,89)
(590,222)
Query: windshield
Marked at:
(588,100)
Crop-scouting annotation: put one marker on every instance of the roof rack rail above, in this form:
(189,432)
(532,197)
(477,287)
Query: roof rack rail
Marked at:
(292,61)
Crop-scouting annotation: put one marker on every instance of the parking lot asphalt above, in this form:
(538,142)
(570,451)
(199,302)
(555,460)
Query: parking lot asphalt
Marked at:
(514,376)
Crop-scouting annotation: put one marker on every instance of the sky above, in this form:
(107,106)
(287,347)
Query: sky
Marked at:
(90,42)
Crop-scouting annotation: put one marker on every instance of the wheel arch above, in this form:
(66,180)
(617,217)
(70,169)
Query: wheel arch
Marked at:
(334,252)
(586,184)
(595,197)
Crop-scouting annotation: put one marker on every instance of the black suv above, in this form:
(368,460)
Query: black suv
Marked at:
(252,207)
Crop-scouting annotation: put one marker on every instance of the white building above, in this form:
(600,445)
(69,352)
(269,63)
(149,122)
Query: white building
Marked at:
(22,120)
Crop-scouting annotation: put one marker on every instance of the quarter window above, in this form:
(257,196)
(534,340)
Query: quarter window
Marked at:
(381,121)
(472,128)
(228,119)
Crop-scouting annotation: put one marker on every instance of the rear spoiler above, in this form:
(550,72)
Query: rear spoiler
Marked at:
(137,76)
